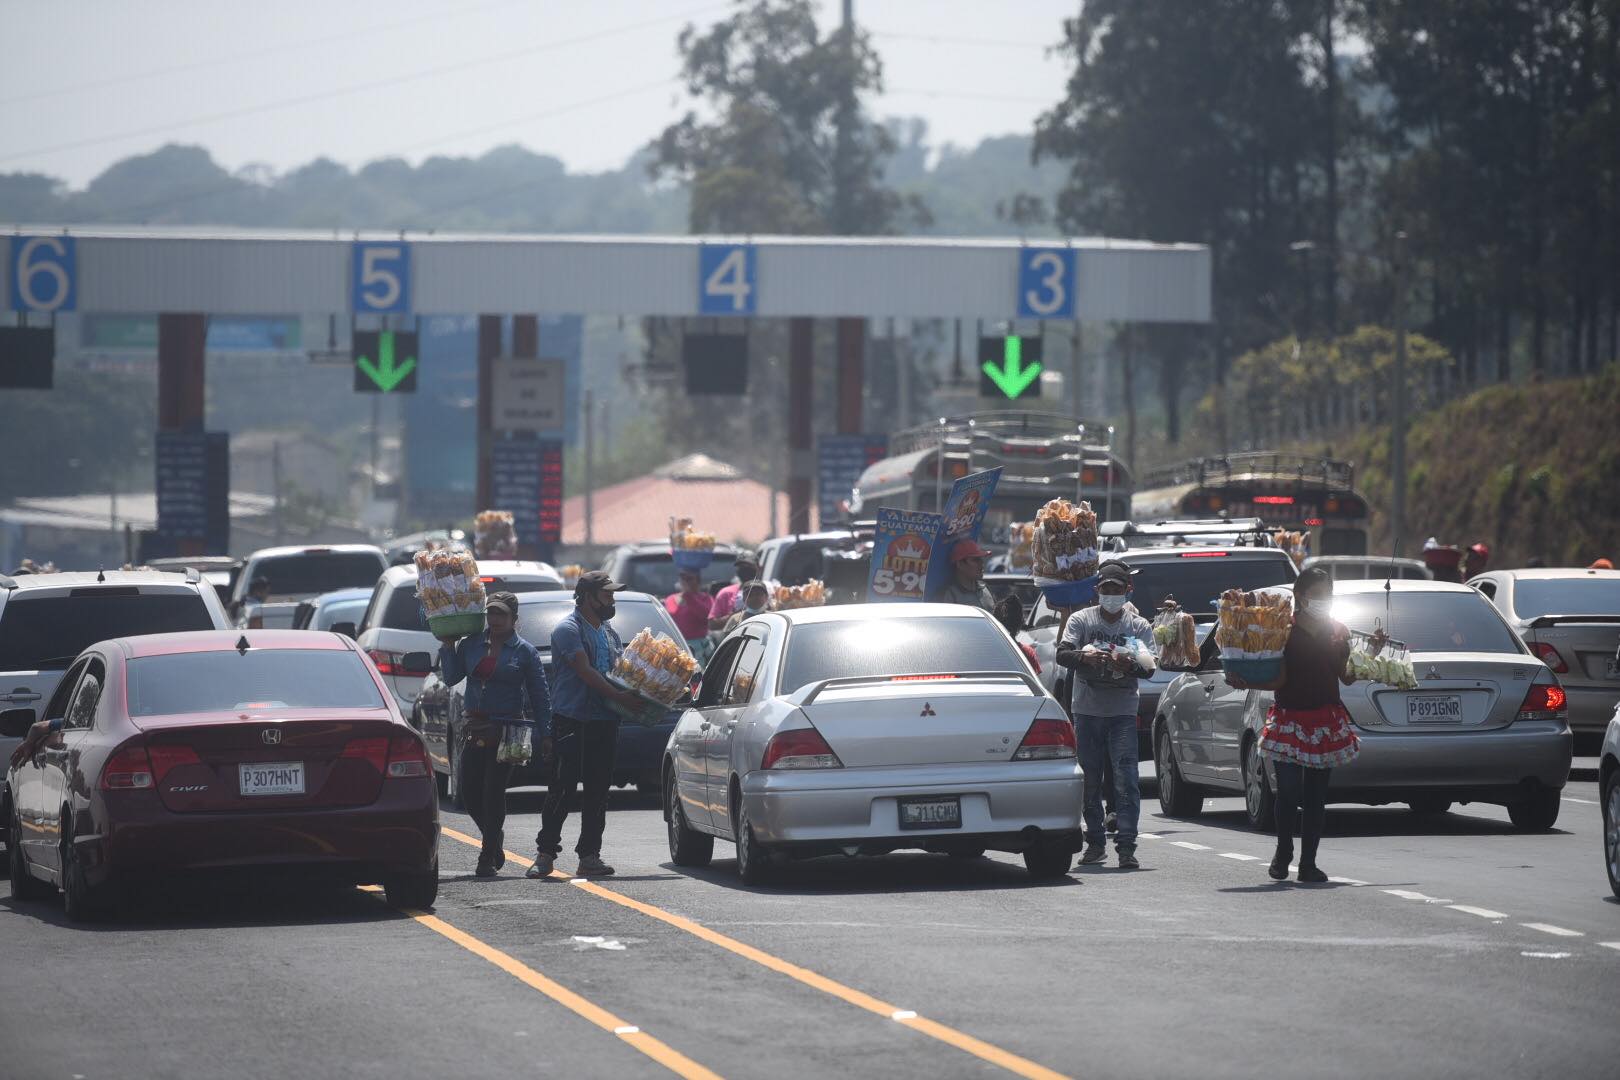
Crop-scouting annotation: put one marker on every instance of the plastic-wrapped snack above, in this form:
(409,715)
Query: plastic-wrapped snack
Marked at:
(1064,542)
(1175,636)
(1021,545)
(1253,632)
(656,666)
(812,593)
(495,535)
(1389,662)
(517,745)
(682,537)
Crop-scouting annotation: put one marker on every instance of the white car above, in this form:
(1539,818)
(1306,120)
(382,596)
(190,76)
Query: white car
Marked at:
(300,573)
(1609,787)
(393,625)
(869,728)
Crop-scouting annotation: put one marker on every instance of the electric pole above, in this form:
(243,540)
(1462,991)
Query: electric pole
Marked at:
(1397,398)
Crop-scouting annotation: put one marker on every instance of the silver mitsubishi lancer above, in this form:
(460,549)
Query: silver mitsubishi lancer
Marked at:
(869,728)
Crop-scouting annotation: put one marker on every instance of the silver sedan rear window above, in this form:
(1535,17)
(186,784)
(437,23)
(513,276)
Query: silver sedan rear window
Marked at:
(868,647)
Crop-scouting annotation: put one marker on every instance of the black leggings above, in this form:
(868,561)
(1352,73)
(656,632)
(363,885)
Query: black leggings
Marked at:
(483,781)
(1302,791)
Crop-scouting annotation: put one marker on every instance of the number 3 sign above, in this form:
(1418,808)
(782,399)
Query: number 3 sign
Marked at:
(43,274)
(1046,283)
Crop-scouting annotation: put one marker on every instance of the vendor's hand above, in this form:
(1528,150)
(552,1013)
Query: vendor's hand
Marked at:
(1124,661)
(1378,640)
(626,698)
(37,734)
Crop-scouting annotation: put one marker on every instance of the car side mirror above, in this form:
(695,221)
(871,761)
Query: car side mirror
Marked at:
(347,629)
(14,723)
(416,663)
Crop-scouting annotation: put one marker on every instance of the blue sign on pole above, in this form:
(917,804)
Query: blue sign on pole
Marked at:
(726,284)
(1046,283)
(902,547)
(44,274)
(964,514)
(381,278)
(841,460)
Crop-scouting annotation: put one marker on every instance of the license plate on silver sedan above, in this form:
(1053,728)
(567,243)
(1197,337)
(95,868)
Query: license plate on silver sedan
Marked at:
(931,812)
(1434,709)
(271,778)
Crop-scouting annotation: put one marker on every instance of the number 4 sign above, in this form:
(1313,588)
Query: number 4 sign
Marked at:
(726,279)
(1046,283)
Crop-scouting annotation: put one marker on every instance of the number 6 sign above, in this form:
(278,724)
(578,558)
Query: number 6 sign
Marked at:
(726,279)
(381,278)
(43,274)
(1046,283)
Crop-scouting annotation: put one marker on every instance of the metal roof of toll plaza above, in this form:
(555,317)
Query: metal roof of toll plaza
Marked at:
(228,271)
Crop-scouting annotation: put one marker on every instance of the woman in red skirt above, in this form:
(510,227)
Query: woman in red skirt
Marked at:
(1308,731)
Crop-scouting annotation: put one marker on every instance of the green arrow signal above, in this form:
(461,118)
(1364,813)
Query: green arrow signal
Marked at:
(1012,377)
(386,373)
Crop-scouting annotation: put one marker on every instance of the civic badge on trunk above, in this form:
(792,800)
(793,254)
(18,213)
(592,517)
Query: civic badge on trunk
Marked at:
(271,736)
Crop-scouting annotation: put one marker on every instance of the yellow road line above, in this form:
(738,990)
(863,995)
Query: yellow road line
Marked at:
(950,1036)
(665,1055)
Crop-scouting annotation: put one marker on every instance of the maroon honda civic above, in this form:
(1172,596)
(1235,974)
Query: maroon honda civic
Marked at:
(224,750)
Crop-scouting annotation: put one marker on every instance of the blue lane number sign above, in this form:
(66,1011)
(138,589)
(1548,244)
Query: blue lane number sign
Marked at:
(726,279)
(382,278)
(1046,283)
(44,274)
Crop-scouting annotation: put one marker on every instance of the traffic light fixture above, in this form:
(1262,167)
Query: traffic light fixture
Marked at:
(715,363)
(1010,367)
(27,357)
(385,361)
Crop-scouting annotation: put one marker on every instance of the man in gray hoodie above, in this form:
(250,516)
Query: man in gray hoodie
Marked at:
(1107,646)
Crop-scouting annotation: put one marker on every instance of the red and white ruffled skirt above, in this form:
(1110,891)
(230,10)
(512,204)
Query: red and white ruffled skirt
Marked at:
(1315,738)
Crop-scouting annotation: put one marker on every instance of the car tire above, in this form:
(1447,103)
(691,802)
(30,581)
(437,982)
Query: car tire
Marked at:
(754,863)
(1047,861)
(967,853)
(415,892)
(1611,830)
(1430,806)
(1536,813)
(1176,797)
(452,778)
(80,902)
(24,885)
(687,846)
(1259,801)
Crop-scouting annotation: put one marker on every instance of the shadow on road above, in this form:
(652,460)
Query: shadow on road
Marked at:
(1353,821)
(209,903)
(902,872)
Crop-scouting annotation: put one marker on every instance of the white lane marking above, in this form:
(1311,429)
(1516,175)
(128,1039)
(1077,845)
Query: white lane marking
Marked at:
(1615,945)
(1407,894)
(903,1014)
(1587,802)
(1547,955)
(1484,913)
(627,1029)
(1239,856)
(1548,928)
(1148,836)
(1189,845)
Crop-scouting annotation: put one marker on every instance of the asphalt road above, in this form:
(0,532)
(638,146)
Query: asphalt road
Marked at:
(1448,947)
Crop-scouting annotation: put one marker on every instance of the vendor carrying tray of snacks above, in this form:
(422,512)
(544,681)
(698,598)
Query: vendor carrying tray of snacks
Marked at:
(1065,553)
(658,671)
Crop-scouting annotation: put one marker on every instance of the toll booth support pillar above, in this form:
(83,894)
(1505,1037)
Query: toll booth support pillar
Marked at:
(182,368)
(851,375)
(489,347)
(801,412)
(526,344)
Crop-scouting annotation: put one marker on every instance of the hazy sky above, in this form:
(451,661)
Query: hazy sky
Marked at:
(84,83)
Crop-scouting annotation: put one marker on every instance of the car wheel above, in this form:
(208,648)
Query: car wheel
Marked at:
(1611,830)
(1537,813)
(687,846)
(753,858)
(24,885)
(414,891)
(1259,802)
(967,853)
(80,902)
(452,779)
(1176,798)
(1047,861)
(1430,806)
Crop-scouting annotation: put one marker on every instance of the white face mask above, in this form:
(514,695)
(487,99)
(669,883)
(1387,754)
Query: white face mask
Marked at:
(1318,609)
(1111,603)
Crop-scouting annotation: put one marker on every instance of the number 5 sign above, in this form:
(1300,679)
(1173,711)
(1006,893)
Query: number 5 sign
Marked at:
(726,279)
(1046,283)
(381,278)
(44,271)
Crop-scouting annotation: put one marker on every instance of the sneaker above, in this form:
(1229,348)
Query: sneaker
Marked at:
(543,863)
(593,866)
(1279,867)
(1312,874)
(1094,854)
(485,869)
(1111,821)
(1127,860)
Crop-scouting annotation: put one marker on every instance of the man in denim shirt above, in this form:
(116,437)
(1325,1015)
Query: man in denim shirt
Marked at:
(500,667)
(585,731)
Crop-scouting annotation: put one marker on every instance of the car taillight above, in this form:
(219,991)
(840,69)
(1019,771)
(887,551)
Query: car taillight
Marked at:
(801,748)
(128,769)
(165,758)
(933,677)
(1045,740)
(407,756)
(1544,702)
(1549,656)
(373,750)
(388,663)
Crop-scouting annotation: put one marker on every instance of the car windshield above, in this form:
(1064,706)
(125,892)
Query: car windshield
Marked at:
(864,647)
(258,679)
(1197,580)
(1534,597)
(49,631)
(405,613)
(309,574)
(1429,621)
(343,611)
(656,574)
(537,621)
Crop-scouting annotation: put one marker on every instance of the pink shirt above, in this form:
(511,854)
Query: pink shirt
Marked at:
(691,613)
(725,601)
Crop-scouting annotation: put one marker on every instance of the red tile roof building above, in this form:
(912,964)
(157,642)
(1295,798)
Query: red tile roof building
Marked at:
(717,497)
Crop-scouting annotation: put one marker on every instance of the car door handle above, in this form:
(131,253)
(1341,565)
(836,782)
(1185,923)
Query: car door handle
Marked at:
(22,693)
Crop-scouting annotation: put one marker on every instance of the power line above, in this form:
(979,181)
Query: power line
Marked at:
(274,50)
(966,95)
(937,39)
(354,88)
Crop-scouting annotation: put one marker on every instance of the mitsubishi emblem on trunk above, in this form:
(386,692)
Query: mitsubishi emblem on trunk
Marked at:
(928,710)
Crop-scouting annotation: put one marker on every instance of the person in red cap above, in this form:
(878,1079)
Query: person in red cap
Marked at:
(967,578)
(1474,560)
(1601,564)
